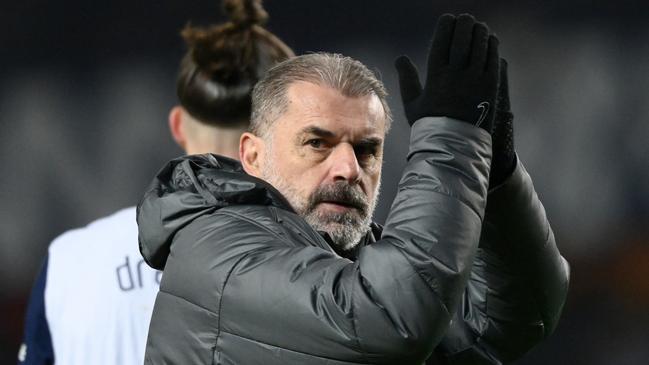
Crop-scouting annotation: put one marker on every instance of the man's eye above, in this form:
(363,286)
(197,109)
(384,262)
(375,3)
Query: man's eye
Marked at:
(315,143)
(365,151)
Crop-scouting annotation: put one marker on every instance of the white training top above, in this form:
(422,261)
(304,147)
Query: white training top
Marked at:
(99,293)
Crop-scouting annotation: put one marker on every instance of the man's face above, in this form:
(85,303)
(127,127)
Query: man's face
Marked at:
(324,154)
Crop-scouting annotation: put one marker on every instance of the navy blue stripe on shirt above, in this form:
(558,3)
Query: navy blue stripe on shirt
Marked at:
(37,343)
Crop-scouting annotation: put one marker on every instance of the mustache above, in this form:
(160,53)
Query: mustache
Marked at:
(340,193)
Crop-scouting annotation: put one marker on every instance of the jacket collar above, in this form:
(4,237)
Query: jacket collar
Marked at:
(189,187)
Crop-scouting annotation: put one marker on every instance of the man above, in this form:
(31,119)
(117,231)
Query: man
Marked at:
(275,260)
(92,301)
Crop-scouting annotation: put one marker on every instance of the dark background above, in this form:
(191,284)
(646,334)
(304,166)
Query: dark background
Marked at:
(85,88)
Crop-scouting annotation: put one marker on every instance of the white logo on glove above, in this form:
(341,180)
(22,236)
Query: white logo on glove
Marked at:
(484,107)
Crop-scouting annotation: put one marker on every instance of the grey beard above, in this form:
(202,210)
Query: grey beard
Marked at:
(345,229)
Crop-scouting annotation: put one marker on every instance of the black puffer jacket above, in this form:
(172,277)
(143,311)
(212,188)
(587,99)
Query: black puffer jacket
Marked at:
(247,281)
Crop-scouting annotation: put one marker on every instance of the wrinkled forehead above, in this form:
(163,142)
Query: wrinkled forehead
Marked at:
(325,107)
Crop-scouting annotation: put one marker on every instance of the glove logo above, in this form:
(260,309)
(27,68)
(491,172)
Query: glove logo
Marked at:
(484,109)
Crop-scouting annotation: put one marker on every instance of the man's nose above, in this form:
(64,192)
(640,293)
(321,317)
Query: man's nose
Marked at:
(344,164)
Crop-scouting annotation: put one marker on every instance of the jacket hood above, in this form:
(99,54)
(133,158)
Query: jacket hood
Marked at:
(189,187)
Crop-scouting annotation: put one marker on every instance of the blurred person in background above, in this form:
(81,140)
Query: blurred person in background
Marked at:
(275,260)
(92,300)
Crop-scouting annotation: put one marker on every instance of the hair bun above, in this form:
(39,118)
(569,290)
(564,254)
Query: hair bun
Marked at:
(224,61)
(245,12)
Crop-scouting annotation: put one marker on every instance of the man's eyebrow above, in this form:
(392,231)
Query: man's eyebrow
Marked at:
(324,133)
(317,131)
(370,141)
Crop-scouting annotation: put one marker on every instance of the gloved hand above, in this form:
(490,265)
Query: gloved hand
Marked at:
(462,75)
(503,161)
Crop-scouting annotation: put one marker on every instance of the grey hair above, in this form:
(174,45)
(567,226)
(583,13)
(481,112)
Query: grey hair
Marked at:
(347,75)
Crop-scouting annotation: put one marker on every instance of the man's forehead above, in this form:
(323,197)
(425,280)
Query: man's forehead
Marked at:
(314,105)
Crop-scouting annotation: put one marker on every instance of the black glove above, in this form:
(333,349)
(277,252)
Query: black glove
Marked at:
(462,75)
(503,161)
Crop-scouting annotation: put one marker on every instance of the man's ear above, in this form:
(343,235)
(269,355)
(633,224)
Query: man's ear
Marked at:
(176,126)
(251,149)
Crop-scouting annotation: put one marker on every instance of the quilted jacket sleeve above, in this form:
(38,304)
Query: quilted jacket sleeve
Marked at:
(412,279)
(518,284)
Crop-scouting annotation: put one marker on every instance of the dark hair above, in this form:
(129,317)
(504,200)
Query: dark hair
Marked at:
(224,62)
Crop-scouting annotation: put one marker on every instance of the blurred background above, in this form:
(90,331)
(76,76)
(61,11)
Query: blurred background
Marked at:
(85,88)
